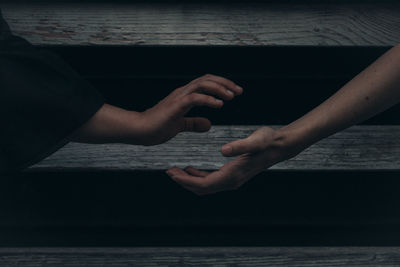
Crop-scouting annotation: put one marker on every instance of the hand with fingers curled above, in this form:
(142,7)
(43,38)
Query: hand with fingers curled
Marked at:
(163,121)
(166,119)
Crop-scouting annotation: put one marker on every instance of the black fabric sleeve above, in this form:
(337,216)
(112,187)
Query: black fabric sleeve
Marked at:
(42,102)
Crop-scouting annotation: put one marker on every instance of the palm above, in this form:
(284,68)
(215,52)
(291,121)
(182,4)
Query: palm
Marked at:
(256,153)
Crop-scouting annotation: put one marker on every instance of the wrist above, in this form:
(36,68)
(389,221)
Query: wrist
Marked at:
(136,128)
(291,140)
(144,129)
(110,124)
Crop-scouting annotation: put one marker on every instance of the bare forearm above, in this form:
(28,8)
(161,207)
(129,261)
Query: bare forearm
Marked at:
(110,124)
(370,92)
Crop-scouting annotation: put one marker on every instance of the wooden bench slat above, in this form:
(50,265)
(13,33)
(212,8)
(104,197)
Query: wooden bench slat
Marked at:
(207,24)
(357,148)
(203,256)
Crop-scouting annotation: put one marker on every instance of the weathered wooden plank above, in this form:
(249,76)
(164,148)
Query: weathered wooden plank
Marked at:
(357,148)
(199,256)
(255,24)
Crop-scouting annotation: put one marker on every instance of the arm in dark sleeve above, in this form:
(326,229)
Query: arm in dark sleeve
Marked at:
(42,102)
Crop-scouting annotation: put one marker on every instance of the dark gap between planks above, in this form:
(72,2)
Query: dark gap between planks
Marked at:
(146,208)
(281,83)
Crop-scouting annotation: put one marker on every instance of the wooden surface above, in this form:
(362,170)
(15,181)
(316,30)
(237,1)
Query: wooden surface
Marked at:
(207,24)
(357,148)
(198,256)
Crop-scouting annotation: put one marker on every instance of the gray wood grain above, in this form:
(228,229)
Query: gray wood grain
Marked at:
(357,148)
(206,24)
(202,256)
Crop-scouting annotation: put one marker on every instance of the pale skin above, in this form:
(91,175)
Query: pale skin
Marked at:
(372,91)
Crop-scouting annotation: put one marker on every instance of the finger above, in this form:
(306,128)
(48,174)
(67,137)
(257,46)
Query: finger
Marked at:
(195,172)
(196,125)
(196,99)
(210,183)
(189,188)
(241,146)
(225,82)
(182,177)
(213,88)
(233,174)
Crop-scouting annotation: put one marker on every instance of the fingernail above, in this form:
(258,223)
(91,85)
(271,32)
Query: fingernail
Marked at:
(218,101)
(240,88)
(226,150)
(229,92)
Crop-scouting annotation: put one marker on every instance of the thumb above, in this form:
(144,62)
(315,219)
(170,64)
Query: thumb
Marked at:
(256,142)
(196,125)
(239,147)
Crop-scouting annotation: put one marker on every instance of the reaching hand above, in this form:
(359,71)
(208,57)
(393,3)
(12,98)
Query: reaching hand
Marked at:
(160,123)
(262,149)
(166,119)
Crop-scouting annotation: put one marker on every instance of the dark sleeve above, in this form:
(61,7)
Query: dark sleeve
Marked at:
(42,102)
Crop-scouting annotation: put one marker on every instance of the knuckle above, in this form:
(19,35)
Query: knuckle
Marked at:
(230,83)
(210,99)
(196,80)
(180,89)
(191,98)
(192,85)
(220,87)
(204,83)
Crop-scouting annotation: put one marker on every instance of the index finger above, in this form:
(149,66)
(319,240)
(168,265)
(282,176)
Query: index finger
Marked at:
(225,82)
